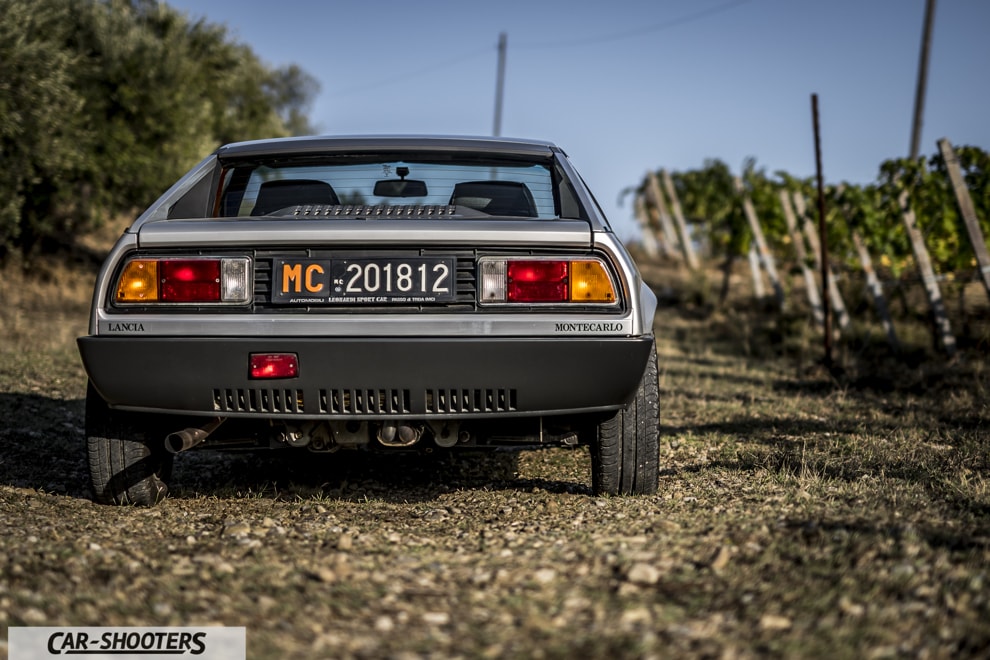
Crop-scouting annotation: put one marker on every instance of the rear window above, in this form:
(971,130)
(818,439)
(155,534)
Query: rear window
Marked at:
(478,188)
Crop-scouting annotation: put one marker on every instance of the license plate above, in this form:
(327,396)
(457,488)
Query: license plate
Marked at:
(410,280)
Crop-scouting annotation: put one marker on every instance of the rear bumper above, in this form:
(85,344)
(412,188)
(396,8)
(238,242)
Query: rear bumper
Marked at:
(369,378)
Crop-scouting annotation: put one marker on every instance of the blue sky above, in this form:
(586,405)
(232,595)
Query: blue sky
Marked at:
(630,85)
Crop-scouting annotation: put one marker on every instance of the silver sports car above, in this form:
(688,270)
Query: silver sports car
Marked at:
(372,293)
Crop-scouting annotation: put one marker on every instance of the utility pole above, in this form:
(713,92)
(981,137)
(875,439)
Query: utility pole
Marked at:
(919,96)
(499,84)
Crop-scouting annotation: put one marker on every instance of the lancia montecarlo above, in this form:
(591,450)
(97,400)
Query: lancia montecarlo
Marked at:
(371,293)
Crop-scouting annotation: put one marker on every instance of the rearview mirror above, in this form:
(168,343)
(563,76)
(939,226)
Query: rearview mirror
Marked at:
(400,188)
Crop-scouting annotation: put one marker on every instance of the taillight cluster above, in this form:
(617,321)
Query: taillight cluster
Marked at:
(502,281)
(185,281)
(545,281)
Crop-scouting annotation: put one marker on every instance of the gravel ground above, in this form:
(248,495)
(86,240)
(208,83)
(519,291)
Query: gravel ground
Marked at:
(798,516)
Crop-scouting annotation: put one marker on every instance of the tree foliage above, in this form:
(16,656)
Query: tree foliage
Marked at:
(104,103)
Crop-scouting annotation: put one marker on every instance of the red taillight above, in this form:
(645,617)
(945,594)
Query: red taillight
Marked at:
(537,281)
(273,365)
(190,280)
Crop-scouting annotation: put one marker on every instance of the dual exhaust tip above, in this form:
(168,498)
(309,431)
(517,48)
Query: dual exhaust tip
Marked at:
(399,435)
(403,434)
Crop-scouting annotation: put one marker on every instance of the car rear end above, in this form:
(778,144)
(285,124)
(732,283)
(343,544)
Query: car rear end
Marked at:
(369,292)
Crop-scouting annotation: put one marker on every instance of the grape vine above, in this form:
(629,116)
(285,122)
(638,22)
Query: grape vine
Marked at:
(711,204)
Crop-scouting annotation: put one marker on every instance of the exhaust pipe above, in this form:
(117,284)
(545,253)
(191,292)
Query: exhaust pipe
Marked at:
(399,435)
(189,438)
(446,433)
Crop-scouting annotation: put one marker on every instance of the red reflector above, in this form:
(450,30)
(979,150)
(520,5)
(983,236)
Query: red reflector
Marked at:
(190,280)
(537,281)
(274,365)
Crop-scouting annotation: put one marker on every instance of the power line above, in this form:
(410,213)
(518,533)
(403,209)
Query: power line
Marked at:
(347,91)
(586,41)
(656,27)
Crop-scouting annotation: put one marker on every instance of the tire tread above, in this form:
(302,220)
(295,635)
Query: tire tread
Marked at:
(626,446)
(123,468)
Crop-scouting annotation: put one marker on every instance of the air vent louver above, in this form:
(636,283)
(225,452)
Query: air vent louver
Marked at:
(258,400)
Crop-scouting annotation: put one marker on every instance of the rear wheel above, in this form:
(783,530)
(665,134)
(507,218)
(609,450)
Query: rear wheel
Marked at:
(125,466)
(625,449)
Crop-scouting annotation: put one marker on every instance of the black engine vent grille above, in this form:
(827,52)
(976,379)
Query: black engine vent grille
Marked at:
(470,400)
(364,401)
(258,400)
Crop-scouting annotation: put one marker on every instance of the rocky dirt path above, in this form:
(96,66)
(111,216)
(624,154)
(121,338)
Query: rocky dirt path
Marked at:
(796,517)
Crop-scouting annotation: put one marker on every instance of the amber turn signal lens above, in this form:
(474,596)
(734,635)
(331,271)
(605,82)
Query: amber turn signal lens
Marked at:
(138,282)
(590,283)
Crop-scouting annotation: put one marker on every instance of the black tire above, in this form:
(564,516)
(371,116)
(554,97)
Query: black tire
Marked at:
(625,449)
(125,466)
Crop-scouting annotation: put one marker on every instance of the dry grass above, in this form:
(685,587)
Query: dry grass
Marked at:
(41,303)
(800,514)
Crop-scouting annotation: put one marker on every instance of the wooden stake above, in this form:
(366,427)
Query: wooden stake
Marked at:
(647,236)
(797,239)
(811,233)
(766,259)
(967,211)
(653,215)
(825,272)
(875,288)
(663,217)
(924,262)
(754,267)
(675,205)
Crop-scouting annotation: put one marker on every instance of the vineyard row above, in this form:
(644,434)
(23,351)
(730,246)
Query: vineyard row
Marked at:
(931,214)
